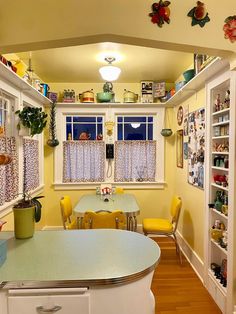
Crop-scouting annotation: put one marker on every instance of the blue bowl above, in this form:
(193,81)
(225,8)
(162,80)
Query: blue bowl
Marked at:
(188,75)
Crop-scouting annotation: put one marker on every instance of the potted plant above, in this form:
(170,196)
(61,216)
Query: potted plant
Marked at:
(26,211)
(32,118)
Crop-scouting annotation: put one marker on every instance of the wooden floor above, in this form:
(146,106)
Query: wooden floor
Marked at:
(177,289)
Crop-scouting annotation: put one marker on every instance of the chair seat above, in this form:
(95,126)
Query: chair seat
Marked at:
(156,224)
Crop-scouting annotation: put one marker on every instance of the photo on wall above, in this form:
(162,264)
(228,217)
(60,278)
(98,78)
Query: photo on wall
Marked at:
(196,147)
(185,122)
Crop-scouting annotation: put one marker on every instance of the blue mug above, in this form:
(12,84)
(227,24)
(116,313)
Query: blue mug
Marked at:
(44,89)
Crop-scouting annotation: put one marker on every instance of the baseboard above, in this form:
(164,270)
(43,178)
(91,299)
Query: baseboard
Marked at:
(194,260)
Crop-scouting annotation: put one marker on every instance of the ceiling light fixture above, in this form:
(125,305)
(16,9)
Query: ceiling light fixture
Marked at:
(110,72)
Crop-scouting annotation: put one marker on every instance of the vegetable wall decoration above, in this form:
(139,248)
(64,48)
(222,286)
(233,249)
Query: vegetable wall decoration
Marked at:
(160,13)
(199,15)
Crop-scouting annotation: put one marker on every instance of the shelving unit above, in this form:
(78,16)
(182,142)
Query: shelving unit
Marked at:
(220,191)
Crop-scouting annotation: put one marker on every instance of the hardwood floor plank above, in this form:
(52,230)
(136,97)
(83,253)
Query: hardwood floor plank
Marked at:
(177,289)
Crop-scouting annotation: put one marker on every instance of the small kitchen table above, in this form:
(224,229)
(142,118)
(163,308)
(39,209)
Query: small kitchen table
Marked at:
(125,202)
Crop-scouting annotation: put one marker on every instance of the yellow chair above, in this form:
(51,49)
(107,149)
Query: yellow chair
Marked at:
(166,227)
(119,190)
(104,219)
(68,221)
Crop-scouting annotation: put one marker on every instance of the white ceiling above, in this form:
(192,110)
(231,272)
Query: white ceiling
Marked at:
(81,63)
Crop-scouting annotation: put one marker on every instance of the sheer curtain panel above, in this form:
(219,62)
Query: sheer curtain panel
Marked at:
(83,161)
(9,174)
(135,161)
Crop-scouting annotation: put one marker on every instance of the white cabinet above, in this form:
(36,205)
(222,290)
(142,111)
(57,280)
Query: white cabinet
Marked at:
(220,191)
(41,301)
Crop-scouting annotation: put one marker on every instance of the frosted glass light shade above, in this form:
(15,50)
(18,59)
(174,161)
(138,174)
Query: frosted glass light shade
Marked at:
(109,72)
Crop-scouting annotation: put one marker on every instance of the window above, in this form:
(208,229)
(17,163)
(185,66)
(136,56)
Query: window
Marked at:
(135,128)
(84,133)
(84,127)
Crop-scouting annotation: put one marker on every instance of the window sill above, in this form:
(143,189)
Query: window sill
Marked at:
(7,207)
(125,185)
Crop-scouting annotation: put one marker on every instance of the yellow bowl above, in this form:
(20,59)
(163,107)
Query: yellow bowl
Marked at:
(216,234)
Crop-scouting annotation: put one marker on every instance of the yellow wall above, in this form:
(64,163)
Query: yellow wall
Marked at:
(191,224)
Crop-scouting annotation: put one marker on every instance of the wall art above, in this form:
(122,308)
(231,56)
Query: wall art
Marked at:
(179,149)
(185,119)
(185,150)
(180,113)
(199,15)
(160,13)
(229,28)
(196,148)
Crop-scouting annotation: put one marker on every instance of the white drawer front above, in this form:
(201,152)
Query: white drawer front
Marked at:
(61,304)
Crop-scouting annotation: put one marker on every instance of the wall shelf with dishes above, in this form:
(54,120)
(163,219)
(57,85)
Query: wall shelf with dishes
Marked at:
(220,234)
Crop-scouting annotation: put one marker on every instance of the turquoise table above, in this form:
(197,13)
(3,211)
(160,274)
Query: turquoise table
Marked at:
(125,202)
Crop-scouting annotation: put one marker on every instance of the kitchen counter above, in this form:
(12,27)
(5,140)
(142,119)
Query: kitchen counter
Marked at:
(77,258)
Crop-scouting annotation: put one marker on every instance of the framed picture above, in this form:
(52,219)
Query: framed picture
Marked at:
(180,114)
(179,149)
(147,91)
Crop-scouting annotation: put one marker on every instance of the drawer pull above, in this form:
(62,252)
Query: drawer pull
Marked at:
(41,309)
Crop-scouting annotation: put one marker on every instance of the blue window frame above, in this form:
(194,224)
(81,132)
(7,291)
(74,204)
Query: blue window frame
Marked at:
(82,127)
(134,127)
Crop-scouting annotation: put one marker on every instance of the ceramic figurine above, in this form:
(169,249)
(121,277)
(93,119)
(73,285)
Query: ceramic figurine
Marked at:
(199,15)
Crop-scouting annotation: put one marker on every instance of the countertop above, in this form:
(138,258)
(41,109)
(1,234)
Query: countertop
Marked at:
(77,258)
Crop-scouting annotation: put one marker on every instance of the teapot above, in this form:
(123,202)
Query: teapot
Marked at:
(130,96)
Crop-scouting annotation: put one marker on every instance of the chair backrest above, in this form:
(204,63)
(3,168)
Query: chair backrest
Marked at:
(176,205)
(104,219)
(66,210)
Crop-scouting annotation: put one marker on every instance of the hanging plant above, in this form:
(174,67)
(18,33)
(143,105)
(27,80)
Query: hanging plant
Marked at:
(230,28)
(32,118)
(160,13)
(199,15)
(52,141)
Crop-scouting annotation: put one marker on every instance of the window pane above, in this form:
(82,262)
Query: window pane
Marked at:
(120,132)
(150,119)
(120,119)
(68,130)
(99,129)
(150,132)
(132,133)
(84,119)
(99,119)
(135,119)
(68,119)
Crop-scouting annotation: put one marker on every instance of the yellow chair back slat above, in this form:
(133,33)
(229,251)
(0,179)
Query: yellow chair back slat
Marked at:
(104,220)
(66,213)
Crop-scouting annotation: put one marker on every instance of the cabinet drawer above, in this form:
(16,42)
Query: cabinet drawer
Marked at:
(61,304)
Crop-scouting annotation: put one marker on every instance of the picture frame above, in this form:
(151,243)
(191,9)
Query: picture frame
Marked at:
(179,149)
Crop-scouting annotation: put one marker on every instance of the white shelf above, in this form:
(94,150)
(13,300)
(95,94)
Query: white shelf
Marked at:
(22,85)
(110,105)
(220,187)
(197,82)
(220,153)
(220,137)
(221,123)
(219,213)
(221,112)
(220,168)
(217,282)
(219,247)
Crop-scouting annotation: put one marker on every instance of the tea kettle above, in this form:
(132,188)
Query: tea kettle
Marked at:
(130,96)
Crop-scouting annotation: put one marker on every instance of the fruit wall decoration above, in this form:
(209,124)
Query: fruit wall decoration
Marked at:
(199,15)
(229,28)
(160,13)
